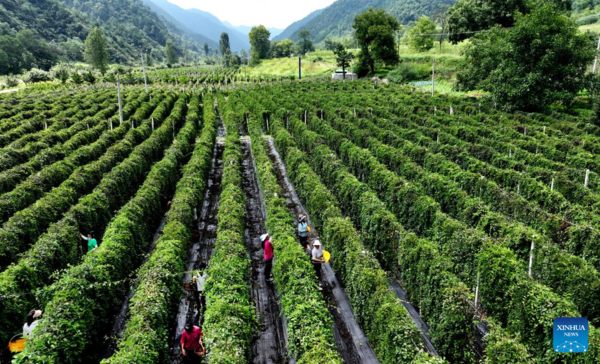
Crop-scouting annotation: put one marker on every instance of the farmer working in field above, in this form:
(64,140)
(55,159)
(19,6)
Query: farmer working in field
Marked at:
(191,341)
(317,259)
(268,255)
(303,230)
(92,243)
(32,321)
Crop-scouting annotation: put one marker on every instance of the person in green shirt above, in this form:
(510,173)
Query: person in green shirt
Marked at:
(92,243)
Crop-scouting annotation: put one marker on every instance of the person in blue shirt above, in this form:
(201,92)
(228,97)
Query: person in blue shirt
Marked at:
(91,241)
(303,230)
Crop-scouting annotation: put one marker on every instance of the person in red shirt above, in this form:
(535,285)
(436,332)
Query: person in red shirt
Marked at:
(191,341)
(268,255)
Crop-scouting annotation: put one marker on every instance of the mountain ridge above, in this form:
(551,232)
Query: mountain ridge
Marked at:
(335,21)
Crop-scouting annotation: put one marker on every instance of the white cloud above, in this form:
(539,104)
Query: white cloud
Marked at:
(270,13)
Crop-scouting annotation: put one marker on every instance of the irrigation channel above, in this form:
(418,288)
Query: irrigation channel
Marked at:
(201,250)
(269,341)
(352,343)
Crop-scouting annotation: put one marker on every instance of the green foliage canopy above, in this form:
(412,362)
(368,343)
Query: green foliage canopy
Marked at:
(96,53)
(305,44)
(540,60)
(343,57)
(375,34)
(260,43)
(420,37)
(171,53)
(280,49)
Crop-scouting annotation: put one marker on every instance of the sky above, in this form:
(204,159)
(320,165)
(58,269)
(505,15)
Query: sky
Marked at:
(270,13)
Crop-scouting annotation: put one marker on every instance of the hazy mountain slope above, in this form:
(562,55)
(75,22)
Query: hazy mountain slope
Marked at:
(294,27)
(204,23)
(176,26)
(336,20)
(245,29)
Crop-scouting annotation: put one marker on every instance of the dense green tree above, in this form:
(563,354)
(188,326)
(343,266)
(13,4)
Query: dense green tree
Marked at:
(467,17)
(73,49)
(280,49)
(343,58)
(171,53)
(331,45)
(13,57)
(305,44)
(260,44)
(225,48)
(206,49)
(420,37)
(375,31)
(96,53)
(542,59)
(45,56)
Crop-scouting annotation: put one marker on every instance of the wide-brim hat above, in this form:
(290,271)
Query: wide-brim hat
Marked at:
(264,237)
(317,242)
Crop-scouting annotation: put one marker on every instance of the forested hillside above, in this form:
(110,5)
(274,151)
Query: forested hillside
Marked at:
(337,19)
(41,32)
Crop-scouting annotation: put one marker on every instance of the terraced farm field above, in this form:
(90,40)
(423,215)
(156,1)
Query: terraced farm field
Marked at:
(457,233)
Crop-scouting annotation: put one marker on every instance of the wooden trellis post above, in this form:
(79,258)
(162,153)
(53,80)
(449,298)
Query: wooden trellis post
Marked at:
(587,178)
(531,257)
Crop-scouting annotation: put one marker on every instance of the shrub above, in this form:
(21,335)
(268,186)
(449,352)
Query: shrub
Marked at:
(76,78)
(36,75)
(89,77)
(60,73)
(12,81)
(406,72)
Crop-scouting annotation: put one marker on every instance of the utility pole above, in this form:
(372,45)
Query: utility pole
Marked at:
(433,78)
(596,57)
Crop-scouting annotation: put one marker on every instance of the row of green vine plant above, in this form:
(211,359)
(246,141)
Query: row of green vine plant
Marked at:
(24,227)
(229,319)
(20,151)
(92,144)
(80,305)
(158,281)
(309,324)
(59,245)
(35,121)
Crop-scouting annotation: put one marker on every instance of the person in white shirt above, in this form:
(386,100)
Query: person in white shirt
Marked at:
(317,259)
(32,321)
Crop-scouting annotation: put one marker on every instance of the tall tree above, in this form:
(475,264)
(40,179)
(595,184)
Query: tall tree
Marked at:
(260,44)
(280,49)
(225,48)
(440,16)
(206,49)
(375,31)
(540,60)
(96,53)
(171,53)
(420,37)
(305,44)
(343,58)
(244,57)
